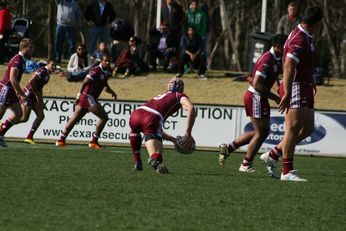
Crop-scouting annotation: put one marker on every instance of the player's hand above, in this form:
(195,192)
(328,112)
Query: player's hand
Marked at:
(314,89)
(77,98)
(188,141)
(22,98)
(284,104)
(114,95)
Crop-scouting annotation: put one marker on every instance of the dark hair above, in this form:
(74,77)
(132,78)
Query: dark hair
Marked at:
(50,60)
(291,4)
(105,56)
(312,15)
(279,39)
(80,44)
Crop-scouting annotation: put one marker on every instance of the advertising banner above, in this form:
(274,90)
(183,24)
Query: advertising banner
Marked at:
(215,124)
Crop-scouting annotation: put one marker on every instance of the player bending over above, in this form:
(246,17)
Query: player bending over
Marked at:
(87,101)
(148,119)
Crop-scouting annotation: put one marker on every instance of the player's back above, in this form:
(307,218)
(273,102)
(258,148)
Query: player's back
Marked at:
(166,104)
(17,62)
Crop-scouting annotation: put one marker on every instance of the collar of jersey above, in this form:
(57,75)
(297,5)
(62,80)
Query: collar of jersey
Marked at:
(305,31)
(273,53)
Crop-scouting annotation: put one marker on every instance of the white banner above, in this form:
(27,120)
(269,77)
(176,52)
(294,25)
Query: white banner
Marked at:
(214,125)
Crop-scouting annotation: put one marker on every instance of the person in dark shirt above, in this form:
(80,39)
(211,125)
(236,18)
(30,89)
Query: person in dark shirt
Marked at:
(99,14)
(192,53)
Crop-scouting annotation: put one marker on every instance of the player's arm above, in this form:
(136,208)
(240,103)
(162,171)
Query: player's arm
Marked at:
(109,90)
(289,69)
(15,83)
(85,82)
(191,115)
(258,84)
(168,137)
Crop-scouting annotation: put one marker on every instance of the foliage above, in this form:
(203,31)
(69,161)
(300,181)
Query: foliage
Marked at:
(45,188)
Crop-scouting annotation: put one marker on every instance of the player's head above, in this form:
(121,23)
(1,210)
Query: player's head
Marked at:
(51,65)
(26,46)
(278,43)
(312,15)
(176,85)
(105,61)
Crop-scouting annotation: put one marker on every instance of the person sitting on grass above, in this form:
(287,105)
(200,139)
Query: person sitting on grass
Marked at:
(79,64)
(131,60)
(192,53)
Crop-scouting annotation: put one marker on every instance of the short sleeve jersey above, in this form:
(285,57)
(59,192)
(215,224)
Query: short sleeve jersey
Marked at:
(268,66)
(42,74)
(299,47)
(18,63)
(99,79)
(167,104)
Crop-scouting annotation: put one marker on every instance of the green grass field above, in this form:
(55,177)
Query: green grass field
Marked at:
(46,188)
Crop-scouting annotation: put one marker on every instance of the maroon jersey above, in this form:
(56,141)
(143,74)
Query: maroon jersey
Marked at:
(17,62)
(166,104)
(268,66)
(42,74)
(300,48)
(99,79)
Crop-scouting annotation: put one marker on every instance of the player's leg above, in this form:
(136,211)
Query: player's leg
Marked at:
(39,111)
(98,110)
(76,116)
(294,121)
(12,119)
(136,139)
(261,131)
(153,143)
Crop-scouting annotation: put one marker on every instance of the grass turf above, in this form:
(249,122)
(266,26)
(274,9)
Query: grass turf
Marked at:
(47,188)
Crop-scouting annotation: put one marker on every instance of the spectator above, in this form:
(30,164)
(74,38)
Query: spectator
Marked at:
(203,6)
(99,53)
(33,92)
(289,21)
(11,94)
(87,101)
(99,15)
(131,60)
(192,53)
(162,47)
(69,21)
(149,118)
(5,27)
(172,15)
(79,64)
(196,18)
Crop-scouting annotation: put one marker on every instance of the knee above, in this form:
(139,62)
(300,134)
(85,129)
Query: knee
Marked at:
(41,117)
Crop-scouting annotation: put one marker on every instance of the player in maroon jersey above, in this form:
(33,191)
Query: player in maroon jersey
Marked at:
(34,100)
(297,93)
(148,119)
(87,101)
(265,75)
(11,94)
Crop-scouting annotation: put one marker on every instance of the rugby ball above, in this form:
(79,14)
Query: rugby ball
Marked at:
(181,148)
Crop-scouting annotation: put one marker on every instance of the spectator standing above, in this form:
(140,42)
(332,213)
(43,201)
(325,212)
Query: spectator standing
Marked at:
(87,101)
(69,21)
(192,53)
(265,74)
(5,27)
(11,94)
(99,15)
(162,47)
(149,118)
(79,64)
(297,93)
(33,92)
(172,15)
(289,21)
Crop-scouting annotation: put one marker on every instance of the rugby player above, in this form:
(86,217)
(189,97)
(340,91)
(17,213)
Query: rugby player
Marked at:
(149,118)
(11,94)
(265,74)
(87,101)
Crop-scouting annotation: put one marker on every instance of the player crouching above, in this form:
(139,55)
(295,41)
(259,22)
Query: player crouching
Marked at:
(149,118)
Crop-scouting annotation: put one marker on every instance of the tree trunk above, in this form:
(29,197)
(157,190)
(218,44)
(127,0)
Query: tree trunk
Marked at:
(226,50)
(212,53)
(51,10)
